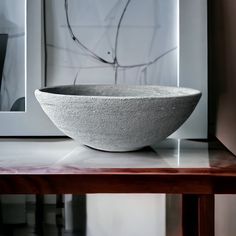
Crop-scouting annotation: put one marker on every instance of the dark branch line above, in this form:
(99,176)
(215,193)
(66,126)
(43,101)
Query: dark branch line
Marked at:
(118,29)
(78,41)
(150,62)
(115,64)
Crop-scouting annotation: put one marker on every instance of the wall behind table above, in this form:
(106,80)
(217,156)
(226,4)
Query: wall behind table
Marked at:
(222,96)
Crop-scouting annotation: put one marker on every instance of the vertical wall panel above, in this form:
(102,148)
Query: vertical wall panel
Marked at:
(193,62)
(223,71)
(222,96)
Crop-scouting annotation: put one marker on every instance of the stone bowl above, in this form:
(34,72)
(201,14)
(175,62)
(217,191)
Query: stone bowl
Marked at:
(117,118)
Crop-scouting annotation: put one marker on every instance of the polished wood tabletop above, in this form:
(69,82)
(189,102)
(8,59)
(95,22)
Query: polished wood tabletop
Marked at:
(60,165)
(196,169)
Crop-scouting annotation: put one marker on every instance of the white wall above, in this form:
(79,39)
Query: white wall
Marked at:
(121,214)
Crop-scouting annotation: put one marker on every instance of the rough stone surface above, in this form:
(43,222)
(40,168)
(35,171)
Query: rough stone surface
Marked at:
(117,118)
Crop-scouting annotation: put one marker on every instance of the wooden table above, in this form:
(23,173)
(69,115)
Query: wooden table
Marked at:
(195,169)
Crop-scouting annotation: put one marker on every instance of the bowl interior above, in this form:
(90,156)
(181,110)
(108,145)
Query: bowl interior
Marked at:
(120,91)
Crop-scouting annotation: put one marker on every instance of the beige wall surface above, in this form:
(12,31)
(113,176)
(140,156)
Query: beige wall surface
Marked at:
(222,97)
(222,76)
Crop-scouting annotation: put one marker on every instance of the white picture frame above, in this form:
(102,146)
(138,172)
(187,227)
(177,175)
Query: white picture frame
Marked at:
(192,72)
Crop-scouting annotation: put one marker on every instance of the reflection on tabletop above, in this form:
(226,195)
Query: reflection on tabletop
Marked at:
(46,155)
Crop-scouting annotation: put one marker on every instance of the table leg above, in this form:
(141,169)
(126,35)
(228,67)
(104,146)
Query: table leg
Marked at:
(39,214)
(79,214)
(173,211)
(59,213)
(198,215)
(206,215)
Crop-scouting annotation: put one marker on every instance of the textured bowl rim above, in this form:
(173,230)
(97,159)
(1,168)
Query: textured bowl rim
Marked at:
(192,92)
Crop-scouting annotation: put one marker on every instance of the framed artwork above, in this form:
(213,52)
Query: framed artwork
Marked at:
(118,42)
(12,56)
(28,72)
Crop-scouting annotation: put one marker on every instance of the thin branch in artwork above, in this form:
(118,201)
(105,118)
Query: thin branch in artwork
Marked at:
(75,80)
(118,29)
(5,89)
(116,40)
(150,62)
(93,54)
(50,45)
(115,64)
(116,73)
(80,67)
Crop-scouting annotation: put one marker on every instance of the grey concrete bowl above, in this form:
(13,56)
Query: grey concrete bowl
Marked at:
(116,117)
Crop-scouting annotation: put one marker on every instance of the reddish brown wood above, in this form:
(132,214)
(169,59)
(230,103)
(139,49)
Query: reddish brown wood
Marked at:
(219,177)
(173,213)
(198,215)
(194,183)
(190,215)
(116,183)
(39,214)
(206,211)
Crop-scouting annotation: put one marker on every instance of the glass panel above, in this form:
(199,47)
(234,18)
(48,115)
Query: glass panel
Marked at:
(12,55)
(110,41)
